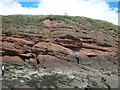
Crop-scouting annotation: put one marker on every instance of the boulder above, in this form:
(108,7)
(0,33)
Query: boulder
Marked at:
(47,61)
(12,60)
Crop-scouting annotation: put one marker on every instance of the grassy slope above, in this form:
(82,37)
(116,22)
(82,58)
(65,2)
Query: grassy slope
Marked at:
(36,20)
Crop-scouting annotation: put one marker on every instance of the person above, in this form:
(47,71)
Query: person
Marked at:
(3,68)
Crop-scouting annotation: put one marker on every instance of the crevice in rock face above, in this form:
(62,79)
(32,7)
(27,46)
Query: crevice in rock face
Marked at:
(72,48)
(30,45)
(23,58)
(105,45)
(70,42)
(78,60)
(40,63)
(94,48)
(86,38)
(9,53)
(37,61)
(90,56)
(89,42)
(69,37)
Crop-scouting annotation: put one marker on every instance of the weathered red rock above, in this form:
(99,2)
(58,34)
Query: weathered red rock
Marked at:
(12,60)
(69,42)
(19,40)
(15,46)
(93,46)
(25,55)
(52,49)
(59,42)
(48,48)
(48,61)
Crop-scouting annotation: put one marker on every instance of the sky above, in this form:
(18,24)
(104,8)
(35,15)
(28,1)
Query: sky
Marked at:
(96,9)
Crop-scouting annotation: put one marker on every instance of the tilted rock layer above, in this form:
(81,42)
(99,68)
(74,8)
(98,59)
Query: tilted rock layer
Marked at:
(57,42)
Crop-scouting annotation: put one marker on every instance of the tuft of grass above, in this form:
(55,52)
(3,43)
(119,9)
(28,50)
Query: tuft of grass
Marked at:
(8,32)
(4,37)
(114,72)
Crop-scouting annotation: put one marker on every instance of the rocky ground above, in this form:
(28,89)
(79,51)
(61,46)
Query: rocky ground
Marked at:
(84,77)
(58,51)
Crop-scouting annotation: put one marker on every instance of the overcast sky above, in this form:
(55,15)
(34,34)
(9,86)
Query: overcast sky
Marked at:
(96,9)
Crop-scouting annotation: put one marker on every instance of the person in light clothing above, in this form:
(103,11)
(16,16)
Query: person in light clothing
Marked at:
(3,68)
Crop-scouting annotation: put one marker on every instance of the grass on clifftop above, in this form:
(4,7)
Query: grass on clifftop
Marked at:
(36,20)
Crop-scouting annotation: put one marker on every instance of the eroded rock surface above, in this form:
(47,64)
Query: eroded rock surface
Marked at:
(62,46)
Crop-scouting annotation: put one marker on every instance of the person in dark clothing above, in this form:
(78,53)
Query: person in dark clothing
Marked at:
(3,68)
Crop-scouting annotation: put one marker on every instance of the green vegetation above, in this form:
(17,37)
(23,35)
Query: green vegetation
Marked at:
(114,72)
(10,83)
(8,32)
(82,22)
(49,81)
(54,80)
(22,21)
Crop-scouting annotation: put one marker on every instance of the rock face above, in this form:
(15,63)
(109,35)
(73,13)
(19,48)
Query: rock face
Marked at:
(57,42)
(13,60)
(47,48)
(48,61)
(69,42)
(15,46)
(58,51)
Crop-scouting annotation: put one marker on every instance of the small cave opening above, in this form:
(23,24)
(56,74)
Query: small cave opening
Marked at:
(91,55)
